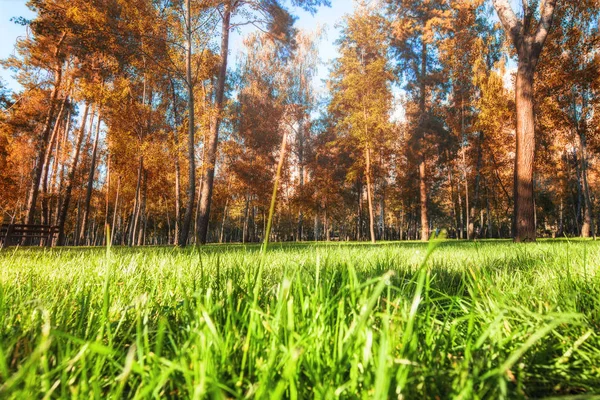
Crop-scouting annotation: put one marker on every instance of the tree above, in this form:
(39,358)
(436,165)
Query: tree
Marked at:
(528,36)
(362,94)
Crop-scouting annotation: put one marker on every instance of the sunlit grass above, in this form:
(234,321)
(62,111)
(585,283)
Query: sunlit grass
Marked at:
(477,320)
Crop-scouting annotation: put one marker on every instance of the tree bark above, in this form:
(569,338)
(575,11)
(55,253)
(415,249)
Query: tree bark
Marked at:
(370,193)
(422,166)
(191,192)
(524,213)
(587,229)
(213,140)
(177,168)
(423,198)
(90,185)
(115,212)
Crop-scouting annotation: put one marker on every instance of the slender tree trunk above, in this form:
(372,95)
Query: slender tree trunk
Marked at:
(300,143)
(115,211)
(422,166)
(63,167)
(90,185)
(370,193)
(213,140)
(469,222)
(141,240)
(177,167)
(107,199)
(67,199)
(476,203)
(225,211)
(245,226)
(133,224)
(191,192)
(588,228)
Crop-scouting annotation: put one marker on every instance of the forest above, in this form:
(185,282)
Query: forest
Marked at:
(472,116)
(425,170)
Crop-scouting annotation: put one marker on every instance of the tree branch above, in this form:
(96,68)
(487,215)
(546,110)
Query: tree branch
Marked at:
(512,25)
(547,15)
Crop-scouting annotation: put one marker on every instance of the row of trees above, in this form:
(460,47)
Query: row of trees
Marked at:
(132,116)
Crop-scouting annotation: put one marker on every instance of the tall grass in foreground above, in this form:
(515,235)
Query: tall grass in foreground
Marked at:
(478,320)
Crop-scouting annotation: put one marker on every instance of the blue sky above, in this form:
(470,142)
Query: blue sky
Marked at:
(326,17)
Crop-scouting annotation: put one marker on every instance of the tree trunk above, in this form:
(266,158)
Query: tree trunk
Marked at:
(213,140)
(300,143)
(90,185)
(133,223)
(370,194)
(63,167)
(115,212)
(191,192)
(141,240)
(177,168)
(423,199)
(67,199)
(588,228)
(224,220)
(524,213)
(422,166)
(245,226)
(107,199)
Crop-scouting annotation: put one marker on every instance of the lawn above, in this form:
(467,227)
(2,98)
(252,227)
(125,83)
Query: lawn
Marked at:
(394,320)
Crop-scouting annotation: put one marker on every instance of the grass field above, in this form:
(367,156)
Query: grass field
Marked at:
(474,320)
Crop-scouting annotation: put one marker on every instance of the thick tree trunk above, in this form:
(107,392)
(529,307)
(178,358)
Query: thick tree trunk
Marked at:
(67,199)
(191,192)
(90,185)
(213,140)
(524,213)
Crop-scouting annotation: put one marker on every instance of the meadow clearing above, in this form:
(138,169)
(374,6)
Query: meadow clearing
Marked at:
(394,320)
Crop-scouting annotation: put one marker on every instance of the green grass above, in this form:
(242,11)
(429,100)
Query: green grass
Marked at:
(477,320)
